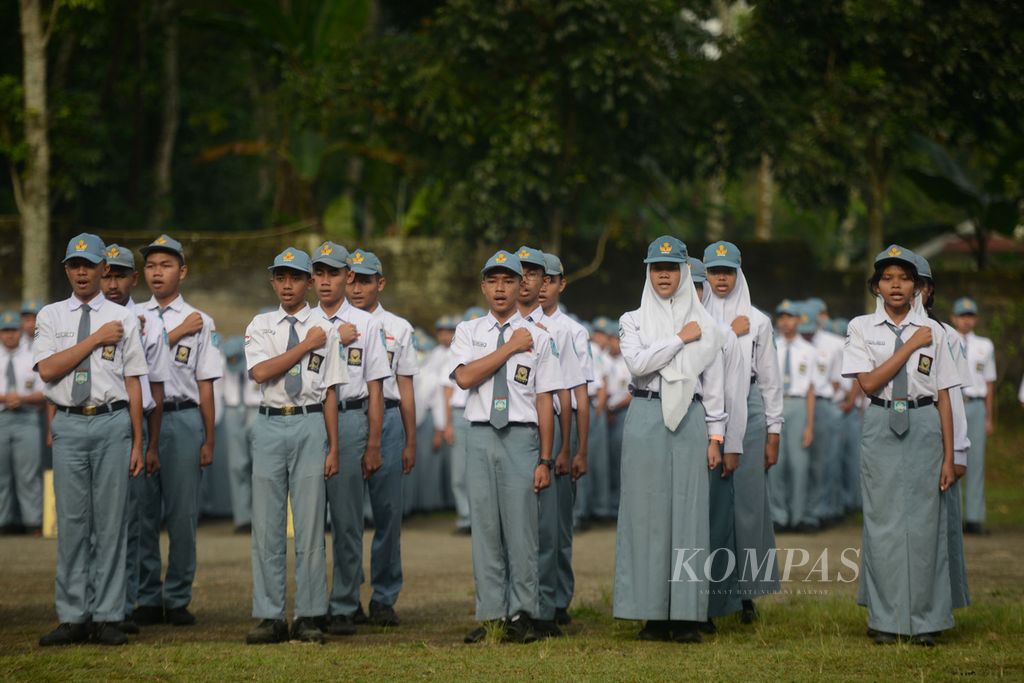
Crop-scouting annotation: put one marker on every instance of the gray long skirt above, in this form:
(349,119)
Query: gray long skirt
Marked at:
(756,563)
(662,535)
(904,577)
(957,561)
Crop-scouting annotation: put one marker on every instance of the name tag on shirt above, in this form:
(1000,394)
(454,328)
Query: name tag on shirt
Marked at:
(876,342)
(479,343)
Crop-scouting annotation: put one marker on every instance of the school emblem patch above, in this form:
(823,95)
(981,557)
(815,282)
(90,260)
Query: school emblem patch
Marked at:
(500,258)
(81,376)
(183,354)
(554,348)
(895,251)
(326,250)
(803,368)
(358,258)
(524,254)
(924,364)
(113,252)
(160,240)
(501,404)
(522,374)
(355,357)
(722,250)
(980,367)
(81,246)
(296,369)
(288,256)
(108,352)
(665,248)
(315,361)
(899,406)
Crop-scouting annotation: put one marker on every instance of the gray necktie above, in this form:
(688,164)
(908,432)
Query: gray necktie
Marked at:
(81,387)
(499,393)
(787,369)
(293,380)
(899,420)
(12,383)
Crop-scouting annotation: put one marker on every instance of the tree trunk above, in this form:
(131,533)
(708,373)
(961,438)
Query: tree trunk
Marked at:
(765,197)
(161,209)
(34,190)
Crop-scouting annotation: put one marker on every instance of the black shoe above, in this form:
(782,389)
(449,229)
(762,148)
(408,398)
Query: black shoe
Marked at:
(872,632)
(562,617)
(883,638)
(976,529)
(107,633)
(780,528)
(65,634)
(685,631)
(144,615)
(707,627)
(519,629)
(359,616)
(382,615)
(806,528)
(923,639)
(463,531)
(546,629)
(479,634)
(128,627)
(243,529)
(749,613)
(306,630)
(341,626)
(268,631)
(180,616)
(655,629)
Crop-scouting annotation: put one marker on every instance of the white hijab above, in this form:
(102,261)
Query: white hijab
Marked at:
(728,308)
(661,318)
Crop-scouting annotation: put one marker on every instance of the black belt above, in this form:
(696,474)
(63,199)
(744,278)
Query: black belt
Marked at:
(753,380)
(975,398)
(919,403)
(89,411)
(352,404)
(510,424)
(171,406)
(391,403)
(643,393)
(292,410)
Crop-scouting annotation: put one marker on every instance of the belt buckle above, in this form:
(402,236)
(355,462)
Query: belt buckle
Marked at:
(288,410)
(900,406)
(89,410)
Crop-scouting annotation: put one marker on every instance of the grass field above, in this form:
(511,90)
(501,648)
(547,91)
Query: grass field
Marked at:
(812,631)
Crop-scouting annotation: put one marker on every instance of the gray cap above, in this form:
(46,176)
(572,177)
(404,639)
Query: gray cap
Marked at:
(164,243)
(331,254)
(293,258)
(120,256)
(86,246)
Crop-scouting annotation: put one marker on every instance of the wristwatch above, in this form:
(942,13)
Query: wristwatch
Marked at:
(547,461)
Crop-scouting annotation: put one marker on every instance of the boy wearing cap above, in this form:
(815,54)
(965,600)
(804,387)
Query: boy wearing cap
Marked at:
(296,358)
(119,280)
(457,434)
(360,420)
(557,501)
(978,402)
(510,371)
(788,479)
(619,399)
(399,427)
(21,446)
(186,439)
(575,497)
(88,352)
(241,404)
(444,331)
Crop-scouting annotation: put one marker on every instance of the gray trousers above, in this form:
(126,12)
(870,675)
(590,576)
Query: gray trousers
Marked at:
(171,495)
(960,593)
(345,505)
(788,480)
(458,468)
(616,422)
(21,477)
(504,512)
(238,421)
(825,475)
(288,461)
(90,479)
(974,480)
(385,495)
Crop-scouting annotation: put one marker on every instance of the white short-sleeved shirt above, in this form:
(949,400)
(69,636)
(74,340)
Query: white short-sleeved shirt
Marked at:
(195,357)
(645,362)
(981,365)
(828,352)
(26,379)
(618,380)
(365,358)
(801,365)
(737,386)
(239,389)
(765,369)
(459,395)
(580,340)
(870,342)
(158,356)
(57,330)
(602,366)
(572,373)
(531,372)
(267,337)
(396,335)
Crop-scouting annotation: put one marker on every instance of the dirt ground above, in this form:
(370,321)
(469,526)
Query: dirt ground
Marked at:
(436,605)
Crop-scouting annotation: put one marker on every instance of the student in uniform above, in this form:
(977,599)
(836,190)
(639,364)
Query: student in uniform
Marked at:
(959,592)
(673,435)
(21,445)
(788,479)
(902,361)
(186,440)
(422,490)
(727,298)
(89,353)
(360,421)
(442,440)
(509,368)
(723,598)
(399,426)
(598,445)
(851,417)
(119,280)
(619,399)
(457,431)
(295,356)
(979,394)
(241,408)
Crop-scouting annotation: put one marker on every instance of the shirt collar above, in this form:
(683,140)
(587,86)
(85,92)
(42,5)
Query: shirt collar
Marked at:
(536,315)
(880,317)
(74,303)
(493,322)
(555,314)
(176,305)
(302,315)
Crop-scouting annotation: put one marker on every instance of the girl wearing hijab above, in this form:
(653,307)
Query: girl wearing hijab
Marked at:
(727,298)
(673,432)
(902,361)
